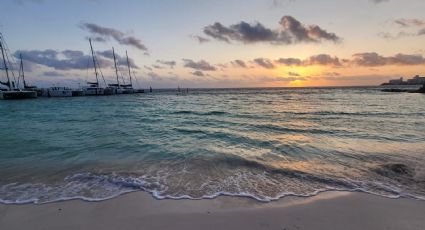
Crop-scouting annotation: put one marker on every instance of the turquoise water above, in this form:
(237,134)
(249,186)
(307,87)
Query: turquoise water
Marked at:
(261,143)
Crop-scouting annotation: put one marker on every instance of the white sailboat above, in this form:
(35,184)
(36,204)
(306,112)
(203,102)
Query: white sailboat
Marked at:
(93,88)
(118,89)
(12,91)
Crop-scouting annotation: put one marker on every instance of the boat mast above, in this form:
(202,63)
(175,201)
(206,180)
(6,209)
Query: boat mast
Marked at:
(22,71)
(4,61)
(116,68)
(94,63)
(129,71)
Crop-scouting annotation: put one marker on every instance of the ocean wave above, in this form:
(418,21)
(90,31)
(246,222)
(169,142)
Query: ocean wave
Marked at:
(98,187)
(209,113)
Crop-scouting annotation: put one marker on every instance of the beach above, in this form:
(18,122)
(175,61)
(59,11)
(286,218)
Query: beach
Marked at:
(139,210)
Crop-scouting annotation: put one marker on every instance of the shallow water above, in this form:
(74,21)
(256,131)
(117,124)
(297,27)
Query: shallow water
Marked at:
(261,143)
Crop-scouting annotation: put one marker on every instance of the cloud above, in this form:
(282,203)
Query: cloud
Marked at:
(289,61)
(312,33)
(52,74)
(379,1)
(281,79)
(374,59)
(162,78)
(104,33)
(60,60)
(200,39)
(239,63)
(170,64)
(120,60)
(157,67)
(322,59)
(198,73)
(200,65)
(264,62)
(403,22)
(293,74)
(290,31)
(32,1)
(281,3)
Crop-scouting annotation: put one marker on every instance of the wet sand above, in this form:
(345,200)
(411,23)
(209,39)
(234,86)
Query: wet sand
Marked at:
(331,210)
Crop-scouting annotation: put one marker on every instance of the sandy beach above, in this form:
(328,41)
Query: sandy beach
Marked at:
(139,210)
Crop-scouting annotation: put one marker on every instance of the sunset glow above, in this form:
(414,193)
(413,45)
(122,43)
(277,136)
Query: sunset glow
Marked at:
(204,44)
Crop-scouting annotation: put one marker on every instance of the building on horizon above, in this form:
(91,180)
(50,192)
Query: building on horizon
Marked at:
(416,80)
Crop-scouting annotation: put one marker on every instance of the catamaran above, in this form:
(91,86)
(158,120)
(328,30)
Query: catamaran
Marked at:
(26,86)
(13,91)
(93,88)
(129,87)
(116,87)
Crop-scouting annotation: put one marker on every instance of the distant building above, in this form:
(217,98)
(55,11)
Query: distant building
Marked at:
(396,81)
(416,80)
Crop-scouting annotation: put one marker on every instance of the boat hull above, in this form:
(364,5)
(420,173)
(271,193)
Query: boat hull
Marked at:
(15,95)
(77,93)
(60,93)
(94,92)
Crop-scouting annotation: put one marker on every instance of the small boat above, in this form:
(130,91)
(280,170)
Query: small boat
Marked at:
(12,91)
(59,92)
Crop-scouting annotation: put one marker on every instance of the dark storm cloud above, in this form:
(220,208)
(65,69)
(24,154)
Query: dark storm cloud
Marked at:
(59,60)
(264,62)
(374,59)
(200,65)
(103,33)
(290,31)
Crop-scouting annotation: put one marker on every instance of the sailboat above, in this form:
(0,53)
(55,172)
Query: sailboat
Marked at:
(93,88)
(26,86)
(116,87)
(129,87)
(12,91)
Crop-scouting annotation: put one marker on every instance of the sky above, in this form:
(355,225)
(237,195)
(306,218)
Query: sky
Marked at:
(220,43)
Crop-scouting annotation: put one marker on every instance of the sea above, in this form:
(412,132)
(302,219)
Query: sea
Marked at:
(259,143)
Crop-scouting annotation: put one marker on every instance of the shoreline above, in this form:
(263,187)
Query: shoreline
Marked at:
(327,210)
